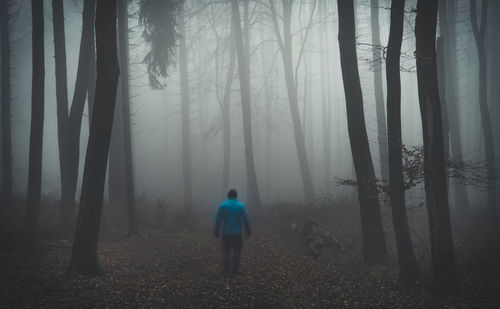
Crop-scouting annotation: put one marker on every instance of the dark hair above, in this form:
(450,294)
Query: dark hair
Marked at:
(232,193)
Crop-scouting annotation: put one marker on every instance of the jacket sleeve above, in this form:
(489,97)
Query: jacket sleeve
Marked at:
(218,220)
(246,221)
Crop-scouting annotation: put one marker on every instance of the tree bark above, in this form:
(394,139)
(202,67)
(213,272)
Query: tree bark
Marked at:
(268,115)
(91,82)
(406,256)
(494,72)
(73,127)
(452,134)
(307,117)
(6,103)
(285,45)
(122,8)
(443,258)
(116,158)
(117,188)
(62,103)
(441,72)
(374,246)
(185,113)
(244,77)
(36,130)
(226,119)
(379,92)
(325,99)
(84,252)
(479,30)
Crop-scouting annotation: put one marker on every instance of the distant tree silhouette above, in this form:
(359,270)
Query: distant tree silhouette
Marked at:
(379,92)
(479,31)
(122,9)
(185,114)
(242,52)
(449,98)
(285,45)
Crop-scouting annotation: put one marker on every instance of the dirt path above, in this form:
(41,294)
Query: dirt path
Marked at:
(182,270)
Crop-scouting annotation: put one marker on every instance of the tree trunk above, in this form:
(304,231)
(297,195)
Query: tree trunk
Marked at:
(479,31)
(374,246)
(325,99)
(226,119)
(244,77)
(307,119)
(406,256)
(291,86)
(6,102)
(268,115)
(116,158)
(91,82)
(84,251)
(305,77)
(452,135)
(246,50)
(62,100)
(185,114)
(494,72)
(379,92)
(246,30)
(74,122)
(443,258)
(441,72)
(122,7)
(36,130)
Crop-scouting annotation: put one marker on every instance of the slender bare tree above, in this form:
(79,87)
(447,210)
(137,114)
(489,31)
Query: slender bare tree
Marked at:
(372,233)
(244,77)
(36,130)
(84,252)
(6,101)
(122,9)
(185,115)
(379,92)
(436,191)
(449,97)
(479,31)
(406,256)
(285,45)
(69,135)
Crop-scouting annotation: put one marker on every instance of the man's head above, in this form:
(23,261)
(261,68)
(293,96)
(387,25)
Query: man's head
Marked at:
(232,193)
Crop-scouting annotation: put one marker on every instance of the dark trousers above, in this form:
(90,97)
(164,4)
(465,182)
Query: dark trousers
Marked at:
(234,243)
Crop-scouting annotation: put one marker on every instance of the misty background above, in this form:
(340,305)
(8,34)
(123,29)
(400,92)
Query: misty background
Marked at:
(156,117)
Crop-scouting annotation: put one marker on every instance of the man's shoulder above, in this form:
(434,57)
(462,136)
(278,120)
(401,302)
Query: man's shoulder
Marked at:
(227,203)
(233,203)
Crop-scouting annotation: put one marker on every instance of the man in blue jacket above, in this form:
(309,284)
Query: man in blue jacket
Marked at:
(230,215)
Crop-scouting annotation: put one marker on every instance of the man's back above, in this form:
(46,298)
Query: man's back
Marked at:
(230,214)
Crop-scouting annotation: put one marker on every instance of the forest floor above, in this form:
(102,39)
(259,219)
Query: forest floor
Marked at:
(180,267)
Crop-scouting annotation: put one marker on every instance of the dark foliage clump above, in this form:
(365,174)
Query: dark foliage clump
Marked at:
(158,17)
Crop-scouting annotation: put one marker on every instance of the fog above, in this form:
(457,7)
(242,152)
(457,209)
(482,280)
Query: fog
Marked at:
(156,120)
(355,140)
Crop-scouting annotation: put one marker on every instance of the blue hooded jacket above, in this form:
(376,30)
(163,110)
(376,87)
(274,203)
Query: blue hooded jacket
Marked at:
(230,215)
